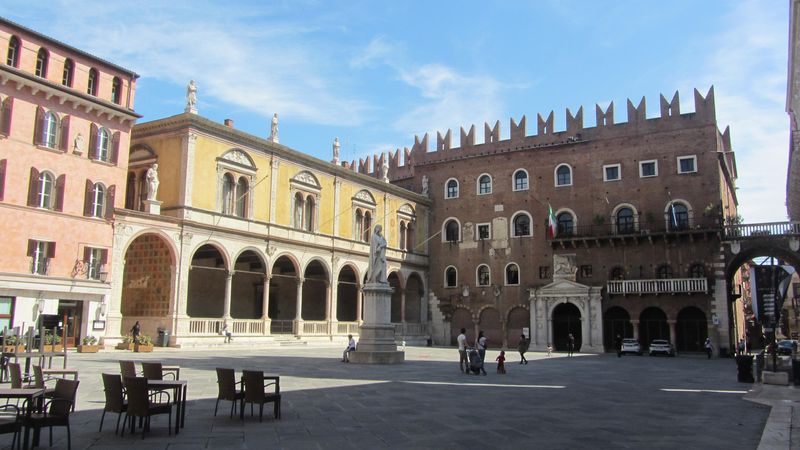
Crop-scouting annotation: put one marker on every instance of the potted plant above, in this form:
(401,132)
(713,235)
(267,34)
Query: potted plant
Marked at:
(51,342)
(12,344)
(143,344)
(88,345)
(126,344)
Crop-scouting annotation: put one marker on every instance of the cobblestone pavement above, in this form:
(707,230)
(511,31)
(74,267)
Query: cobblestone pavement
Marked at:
(587,401)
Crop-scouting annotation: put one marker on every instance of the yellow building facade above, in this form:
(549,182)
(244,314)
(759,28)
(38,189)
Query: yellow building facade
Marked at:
(241,234)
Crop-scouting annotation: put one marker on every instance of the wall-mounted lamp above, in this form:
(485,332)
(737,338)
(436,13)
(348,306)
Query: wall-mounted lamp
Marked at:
(103,309)
(39,305)
(103,275)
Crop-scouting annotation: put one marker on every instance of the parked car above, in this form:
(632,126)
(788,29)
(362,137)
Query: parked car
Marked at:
(661,347)
(787,347)
(631,346)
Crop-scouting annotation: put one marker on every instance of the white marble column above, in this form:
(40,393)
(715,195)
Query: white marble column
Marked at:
(333,319)
(265,305)
(403,307)
(273,191)
(360,305)
(635,326)
(328,305)
(228,285)
(298,316)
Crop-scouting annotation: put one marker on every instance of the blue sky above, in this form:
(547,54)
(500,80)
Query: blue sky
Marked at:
(377,73)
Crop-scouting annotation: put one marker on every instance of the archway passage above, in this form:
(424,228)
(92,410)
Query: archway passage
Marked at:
(283,295)
(207,275)
(414,295)
(461,319)
(146,282)
(566,321)
(492,327)
(315,288)
(518,319)
(247,286)
(346,295)
(652,325)
(691,329)
(616,322)
(394,282)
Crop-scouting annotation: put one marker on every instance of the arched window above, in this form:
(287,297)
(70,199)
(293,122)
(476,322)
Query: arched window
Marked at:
(664,272)
(299,208)
(697,270)
(520,180)
(617,273)
(521,225)
(452,231)
(309,218)
(512,274)
(625,221)
(44,198)
(409,237)
(12,57)
(241,197)
(42,60)
(402,235)
(678,216)
(68,73)
(563,175)
(566,224)
(228,190)
(103,138)
(450,277)
(484,275)
(50,130)
(91,86)
(98,200)
(359,224)
(116,90)
(451,188)
(484,184)
(367,226)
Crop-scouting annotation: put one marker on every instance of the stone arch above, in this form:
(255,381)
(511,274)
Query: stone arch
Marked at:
(619,228)
(616,322)
(491,323)
(691,329)
(682,223)
(652,325)
(247,284)
(518,318)
(566,319)
(395,280)
(284,276)
(415,295)
(239,157)
(147,281)
(315,288)
(347,293)
(207,280)
(462,318)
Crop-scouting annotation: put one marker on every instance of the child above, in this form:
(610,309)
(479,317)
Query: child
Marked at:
(501,368)
(549,349)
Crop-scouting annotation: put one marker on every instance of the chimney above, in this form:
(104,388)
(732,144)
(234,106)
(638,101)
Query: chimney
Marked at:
(229,123)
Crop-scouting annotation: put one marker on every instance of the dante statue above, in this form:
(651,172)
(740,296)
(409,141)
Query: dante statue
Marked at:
(376,273)
(273,132)
(336,151)
(191,97)
(152,181)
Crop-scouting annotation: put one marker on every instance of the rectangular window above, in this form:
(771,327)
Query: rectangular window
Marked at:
(484,231)
(687,164)
(6,312)
(40,253)
(648,169)
(544,272)
(586,271)
(95,259)
(611,172)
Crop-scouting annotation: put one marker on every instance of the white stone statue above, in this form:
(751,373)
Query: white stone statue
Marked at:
(385,169)
(152,181)
(273,132)
(336,151)
(426,188)
(77,146)
(191,97)
(376,273)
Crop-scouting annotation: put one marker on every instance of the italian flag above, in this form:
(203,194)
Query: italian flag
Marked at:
(551,222)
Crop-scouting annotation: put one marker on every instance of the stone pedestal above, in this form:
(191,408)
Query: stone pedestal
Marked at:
(376,344)
(152,207)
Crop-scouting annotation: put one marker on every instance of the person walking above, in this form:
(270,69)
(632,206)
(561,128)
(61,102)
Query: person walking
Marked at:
(709,347)
(501,366)
(481,344)
(135,331)
(463,364)
(570,344)
(522,347)
(351,347)
(618,345)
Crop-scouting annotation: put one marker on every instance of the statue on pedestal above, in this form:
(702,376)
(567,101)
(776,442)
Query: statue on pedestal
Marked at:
(191,97)
(426,186)
(152,181)
(385,169)
(273,132)
(376,273)
(336,151)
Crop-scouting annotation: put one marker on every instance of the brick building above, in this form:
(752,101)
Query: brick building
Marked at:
(636,207)
(64,130)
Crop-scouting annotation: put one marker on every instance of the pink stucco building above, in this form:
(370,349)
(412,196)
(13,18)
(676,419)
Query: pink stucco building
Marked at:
(65,127)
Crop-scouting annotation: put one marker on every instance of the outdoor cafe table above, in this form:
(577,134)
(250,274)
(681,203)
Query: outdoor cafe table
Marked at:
(178,388)
(29,396)
(63,372)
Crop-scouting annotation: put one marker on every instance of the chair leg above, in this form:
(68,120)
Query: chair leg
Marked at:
(261,412)
(69,437)
(215,407)
(233,405)
(119,416)
(169,429)
(51,436)
(102,417)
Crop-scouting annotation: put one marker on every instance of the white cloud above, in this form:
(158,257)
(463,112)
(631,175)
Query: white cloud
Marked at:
(378,50)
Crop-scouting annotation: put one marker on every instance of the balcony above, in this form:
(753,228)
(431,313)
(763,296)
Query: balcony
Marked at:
(636,232)
(659,286)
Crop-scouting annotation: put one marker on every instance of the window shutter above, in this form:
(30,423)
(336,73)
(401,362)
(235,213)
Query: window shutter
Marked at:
(51,249)
(87,198)
(87,254)
(31,247)
(63,137)
(93,141)
(104,256)
(115,147)
(5,125)
(110,201)
(33,187)
(2,178)
(60,185)
(37,129)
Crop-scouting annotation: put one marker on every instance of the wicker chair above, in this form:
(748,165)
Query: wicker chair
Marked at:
(226,382)
(115,399)
(154,371)
(144,406)
(10,422)
(255,393)
(56,411)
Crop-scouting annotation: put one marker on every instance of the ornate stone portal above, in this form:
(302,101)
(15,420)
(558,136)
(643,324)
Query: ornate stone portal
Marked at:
(376,343)
(564,289)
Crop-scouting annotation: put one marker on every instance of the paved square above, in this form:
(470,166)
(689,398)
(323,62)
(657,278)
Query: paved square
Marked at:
(588,401)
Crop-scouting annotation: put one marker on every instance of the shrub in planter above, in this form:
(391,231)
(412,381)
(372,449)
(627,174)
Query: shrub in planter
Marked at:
(144,344)
(88,345)
(126,344)
(12,343)
(51,342)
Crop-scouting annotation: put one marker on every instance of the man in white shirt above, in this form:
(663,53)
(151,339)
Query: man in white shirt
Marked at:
(462,350)
(351,347)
